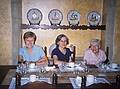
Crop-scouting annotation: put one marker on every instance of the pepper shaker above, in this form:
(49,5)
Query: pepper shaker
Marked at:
(54,79)
(18,80)
(118,81)
(83,83)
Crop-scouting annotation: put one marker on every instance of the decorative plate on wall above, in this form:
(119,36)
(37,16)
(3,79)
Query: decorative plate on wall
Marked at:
(93,18)
(34,16)
(55,17)
(73,17)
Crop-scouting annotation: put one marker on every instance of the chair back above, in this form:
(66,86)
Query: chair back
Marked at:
(52,47)
(45,50)
(107,55)
(74,54)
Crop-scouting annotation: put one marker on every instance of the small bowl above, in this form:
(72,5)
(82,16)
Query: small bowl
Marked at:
(71,64)
(32,65)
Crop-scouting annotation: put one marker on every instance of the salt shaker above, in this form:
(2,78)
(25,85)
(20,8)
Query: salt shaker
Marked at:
(118,81)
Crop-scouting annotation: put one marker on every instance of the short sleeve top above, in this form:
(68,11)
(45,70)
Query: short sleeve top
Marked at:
(62,57)
(37,53)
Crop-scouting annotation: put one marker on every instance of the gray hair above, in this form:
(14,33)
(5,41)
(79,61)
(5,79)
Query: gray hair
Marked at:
(95,42)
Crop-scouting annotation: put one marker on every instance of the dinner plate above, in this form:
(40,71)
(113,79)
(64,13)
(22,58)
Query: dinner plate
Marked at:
(55,17)
(34,16)
(73,17)
(94,18)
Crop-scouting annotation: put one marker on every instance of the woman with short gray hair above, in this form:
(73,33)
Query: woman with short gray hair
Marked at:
(94,54)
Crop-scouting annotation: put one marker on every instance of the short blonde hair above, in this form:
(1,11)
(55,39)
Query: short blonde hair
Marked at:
(30,34)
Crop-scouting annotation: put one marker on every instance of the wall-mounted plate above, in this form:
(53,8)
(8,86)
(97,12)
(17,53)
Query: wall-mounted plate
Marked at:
(55,17)
(73,17)
(34,16)
(93,18)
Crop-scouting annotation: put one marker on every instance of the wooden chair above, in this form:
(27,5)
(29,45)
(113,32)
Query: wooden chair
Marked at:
(45,50)
(107,55)
(51,48)
(74,53)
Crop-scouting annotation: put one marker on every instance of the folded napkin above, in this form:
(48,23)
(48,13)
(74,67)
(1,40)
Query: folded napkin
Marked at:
(97,80)
(26,80)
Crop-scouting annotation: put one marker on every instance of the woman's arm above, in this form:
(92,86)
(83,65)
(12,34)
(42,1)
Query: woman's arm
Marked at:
(56,61)
(20,59)
(43,60)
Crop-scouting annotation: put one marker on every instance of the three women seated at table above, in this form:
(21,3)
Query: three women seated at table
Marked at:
(32,53)
(94,55)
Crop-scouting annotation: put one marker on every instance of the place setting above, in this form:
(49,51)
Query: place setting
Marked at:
(112,67)
(71,67)
(86,81)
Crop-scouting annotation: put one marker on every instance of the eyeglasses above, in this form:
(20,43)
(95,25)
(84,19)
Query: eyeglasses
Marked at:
(63,40)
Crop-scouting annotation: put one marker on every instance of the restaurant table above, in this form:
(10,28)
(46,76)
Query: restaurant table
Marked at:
(64,79)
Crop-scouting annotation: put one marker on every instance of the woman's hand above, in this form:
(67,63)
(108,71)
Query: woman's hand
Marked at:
(42,61)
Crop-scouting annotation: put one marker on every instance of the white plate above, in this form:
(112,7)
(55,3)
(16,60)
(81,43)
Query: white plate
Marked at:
(34,16)
(93,18)
(73,17)
(55,17)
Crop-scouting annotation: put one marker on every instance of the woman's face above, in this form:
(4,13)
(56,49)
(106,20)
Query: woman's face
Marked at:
(29,42)
(95,49)
(63,42)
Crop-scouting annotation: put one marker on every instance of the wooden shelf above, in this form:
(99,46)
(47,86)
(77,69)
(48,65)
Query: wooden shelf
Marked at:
(45,27)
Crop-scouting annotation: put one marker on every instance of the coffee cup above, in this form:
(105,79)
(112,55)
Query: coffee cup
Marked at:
(32,65)
(90,79)
(78,80)
(32,78)
(71,64)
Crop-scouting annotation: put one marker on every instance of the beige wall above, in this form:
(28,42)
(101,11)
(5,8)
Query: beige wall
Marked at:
(5,32)
(77,37)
